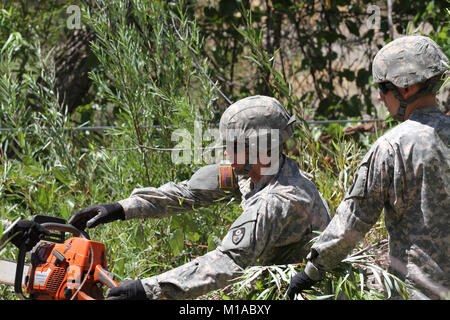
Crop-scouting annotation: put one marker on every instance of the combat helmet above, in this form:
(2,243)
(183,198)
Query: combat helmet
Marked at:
(410,60)
(254,119)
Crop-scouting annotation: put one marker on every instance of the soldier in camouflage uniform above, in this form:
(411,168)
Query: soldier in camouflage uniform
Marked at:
(406,172)
(280,210)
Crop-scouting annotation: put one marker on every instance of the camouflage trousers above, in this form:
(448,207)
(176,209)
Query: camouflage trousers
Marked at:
(206,273)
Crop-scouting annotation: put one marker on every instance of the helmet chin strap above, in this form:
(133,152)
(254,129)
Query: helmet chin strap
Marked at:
(247,168)
(400,115)
(427,88)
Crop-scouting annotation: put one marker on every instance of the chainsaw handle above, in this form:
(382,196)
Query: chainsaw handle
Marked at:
(65,228)
(19,273)
(101,275)
(104,277)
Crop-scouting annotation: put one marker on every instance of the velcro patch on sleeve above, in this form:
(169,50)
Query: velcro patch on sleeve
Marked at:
(226,177)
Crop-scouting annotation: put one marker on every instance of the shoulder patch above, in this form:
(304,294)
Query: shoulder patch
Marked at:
(226,180)
(205,178)
(237,236)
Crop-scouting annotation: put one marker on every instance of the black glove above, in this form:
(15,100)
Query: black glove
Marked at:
(299,282)
(27,232)
(94,215)
(127,290)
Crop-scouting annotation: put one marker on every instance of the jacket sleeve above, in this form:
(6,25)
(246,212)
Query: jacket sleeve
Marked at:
(206,273)
(270,229)
(357,213)
(251,240)
(256,231)
(172,198)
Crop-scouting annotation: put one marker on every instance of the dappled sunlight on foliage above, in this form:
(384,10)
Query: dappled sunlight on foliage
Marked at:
(150,67)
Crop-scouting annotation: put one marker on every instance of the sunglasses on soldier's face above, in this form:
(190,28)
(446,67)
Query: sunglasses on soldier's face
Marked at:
(385,87)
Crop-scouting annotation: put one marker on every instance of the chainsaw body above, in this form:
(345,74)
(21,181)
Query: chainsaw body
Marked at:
(71,270)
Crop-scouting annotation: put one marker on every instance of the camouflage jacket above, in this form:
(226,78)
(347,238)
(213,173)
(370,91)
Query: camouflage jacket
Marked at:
(278,216)
(406,172)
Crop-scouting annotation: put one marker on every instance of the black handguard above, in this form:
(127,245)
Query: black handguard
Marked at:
(24,232)
(93,216)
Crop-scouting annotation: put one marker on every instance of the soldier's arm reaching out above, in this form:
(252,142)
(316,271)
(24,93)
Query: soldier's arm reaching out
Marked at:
(354,217)
(169,199)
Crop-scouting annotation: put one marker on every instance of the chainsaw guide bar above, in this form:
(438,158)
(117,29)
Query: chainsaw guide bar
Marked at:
(8,272)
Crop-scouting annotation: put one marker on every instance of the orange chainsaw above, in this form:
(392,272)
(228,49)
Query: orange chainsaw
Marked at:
(59,269)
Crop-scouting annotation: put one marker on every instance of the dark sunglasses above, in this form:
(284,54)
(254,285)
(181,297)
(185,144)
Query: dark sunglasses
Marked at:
(385,87)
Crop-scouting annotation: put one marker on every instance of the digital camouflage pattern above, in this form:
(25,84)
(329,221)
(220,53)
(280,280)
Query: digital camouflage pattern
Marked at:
(407,173)
(278,216)
(252,116)
(409,60)
(173,198)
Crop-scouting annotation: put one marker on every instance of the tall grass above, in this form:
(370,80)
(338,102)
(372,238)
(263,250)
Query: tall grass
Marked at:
(150,79)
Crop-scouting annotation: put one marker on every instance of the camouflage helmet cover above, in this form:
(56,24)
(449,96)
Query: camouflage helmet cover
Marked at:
(253,116)
(409,60)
